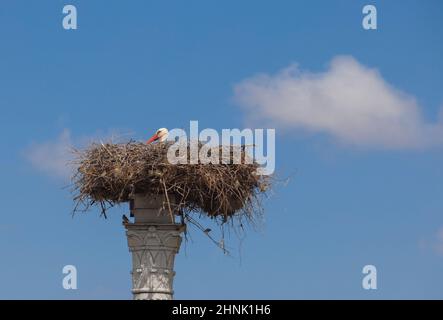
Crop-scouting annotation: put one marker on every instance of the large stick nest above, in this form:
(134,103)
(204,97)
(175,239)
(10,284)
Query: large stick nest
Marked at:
(109,174)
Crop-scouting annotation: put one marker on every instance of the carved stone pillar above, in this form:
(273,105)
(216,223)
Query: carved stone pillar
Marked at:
(153,239)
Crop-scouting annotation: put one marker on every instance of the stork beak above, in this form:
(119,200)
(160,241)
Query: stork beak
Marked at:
(153,138)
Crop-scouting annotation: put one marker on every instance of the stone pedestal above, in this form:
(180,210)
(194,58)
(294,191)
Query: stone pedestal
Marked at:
(153,239)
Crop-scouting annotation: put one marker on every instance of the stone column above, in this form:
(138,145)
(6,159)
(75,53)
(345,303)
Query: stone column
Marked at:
(153,239)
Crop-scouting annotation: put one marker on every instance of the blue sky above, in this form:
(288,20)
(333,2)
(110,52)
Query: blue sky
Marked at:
(356,195)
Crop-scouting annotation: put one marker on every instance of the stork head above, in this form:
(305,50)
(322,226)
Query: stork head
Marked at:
(161,135)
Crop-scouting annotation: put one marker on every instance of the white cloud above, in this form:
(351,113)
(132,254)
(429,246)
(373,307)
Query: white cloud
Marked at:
(349,101)
(52,157)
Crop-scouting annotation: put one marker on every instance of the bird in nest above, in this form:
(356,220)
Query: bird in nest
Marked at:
(160,135)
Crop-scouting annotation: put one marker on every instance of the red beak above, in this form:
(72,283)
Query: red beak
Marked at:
(151,139)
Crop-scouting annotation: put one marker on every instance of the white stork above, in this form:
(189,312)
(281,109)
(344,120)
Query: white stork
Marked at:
(161,135)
